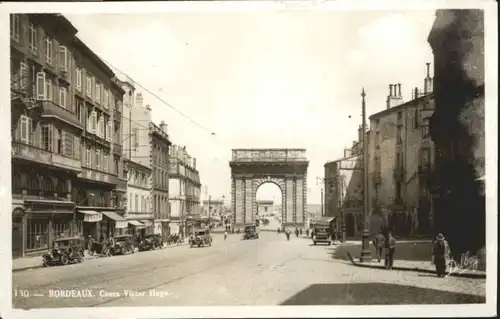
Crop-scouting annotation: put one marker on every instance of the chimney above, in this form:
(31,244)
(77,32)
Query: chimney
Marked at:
(399,90)
(360,133)
(139,99)
(194,162)
(163,127)
(390,90)
(416,93)
(428,80)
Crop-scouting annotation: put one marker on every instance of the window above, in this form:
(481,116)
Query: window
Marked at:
(79,79)
(136,203)
(41,89)
(400,135)
(106,99)
(109,129)
(33,39)
(98,88)
(63,58)
(88,86)
(59,142)
(105,162)
(79,109)
(23,76)
(26,130)
(63,96)
(135,137)
(88,158)
(93,122)
(47,137)
(97,159)
(15,27)
(50,90)
(425,128)
(101,127)
(377,140)
(76,145)
(425,159)
(48,49)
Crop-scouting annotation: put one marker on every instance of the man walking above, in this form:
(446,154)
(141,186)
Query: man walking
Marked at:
(390,250)
(440,254)
(379,245)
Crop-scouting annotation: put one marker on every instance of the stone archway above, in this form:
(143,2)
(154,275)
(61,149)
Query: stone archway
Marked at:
(287,168)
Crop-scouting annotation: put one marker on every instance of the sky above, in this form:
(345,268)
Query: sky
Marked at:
(263,79)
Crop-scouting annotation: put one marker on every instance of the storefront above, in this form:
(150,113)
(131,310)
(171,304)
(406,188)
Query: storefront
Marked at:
(89,224)
(136,228)
(112,224)
(148,226)
(37,223)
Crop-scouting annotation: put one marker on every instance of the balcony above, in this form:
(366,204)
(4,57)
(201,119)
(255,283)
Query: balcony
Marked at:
(399,174)
(117,149)
(98,176)
(52,110)
(39,155)
(377,178)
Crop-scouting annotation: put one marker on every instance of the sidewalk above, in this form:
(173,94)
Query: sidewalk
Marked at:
(33,262)
(418,266)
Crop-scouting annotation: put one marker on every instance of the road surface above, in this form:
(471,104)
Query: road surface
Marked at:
(266,271)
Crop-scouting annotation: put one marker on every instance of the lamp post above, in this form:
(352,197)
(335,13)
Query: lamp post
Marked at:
(365,250)
(321,180)
(209,210)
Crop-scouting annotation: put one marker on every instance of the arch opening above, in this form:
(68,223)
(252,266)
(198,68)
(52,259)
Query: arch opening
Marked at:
(269,205)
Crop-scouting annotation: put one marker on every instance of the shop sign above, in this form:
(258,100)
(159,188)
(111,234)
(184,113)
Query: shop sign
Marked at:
(92,218)
(121,224)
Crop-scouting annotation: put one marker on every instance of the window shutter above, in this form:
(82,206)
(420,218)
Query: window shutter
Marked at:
(40,86)
(76,145)
(23,76)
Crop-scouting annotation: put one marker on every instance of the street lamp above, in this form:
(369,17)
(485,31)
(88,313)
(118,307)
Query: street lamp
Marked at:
(365,250)
(321,180)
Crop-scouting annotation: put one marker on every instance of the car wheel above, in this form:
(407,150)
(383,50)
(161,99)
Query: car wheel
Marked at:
(329,243)
(314,243)
(64,259)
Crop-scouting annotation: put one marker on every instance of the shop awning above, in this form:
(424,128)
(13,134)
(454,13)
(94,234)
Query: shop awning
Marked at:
(91,216)
(51,211)
(136,224)
(114,216)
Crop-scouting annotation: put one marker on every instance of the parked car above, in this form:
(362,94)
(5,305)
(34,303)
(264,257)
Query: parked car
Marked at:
(66,250)
(123,244)
(321,235)
(151,242)
(200,238)
(250,232)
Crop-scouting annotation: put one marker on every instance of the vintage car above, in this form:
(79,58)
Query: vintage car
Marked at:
(321,235)
(250,232)
(123,244)
(151,242)
(200,238)
(65,250)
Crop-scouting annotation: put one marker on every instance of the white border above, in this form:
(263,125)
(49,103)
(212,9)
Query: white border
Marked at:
(491,59)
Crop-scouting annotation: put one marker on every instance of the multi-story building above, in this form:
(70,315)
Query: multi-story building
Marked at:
(160,163)
(400,158)
(400,152)
(184,190)
(457,128)
(137,152)
(61,135)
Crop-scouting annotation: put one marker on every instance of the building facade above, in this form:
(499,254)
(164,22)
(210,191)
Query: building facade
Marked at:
(64,166)
(400,155)
(137,150)
(160,162)
(184,190)
(457,128)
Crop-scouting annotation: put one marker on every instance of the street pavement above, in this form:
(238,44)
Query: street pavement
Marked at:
(266,271)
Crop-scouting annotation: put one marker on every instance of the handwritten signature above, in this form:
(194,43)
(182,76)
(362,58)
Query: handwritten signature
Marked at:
(467,263)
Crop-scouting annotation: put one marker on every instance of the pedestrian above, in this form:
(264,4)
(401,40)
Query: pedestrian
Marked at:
(390,250)
(279,230)
(225,235)
(90,245)
(379,243)
(300,232)
(440,254)
(296,232)
(307,232)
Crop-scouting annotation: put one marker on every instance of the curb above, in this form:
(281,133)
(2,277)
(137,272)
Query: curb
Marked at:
(422,270)
(85,259)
